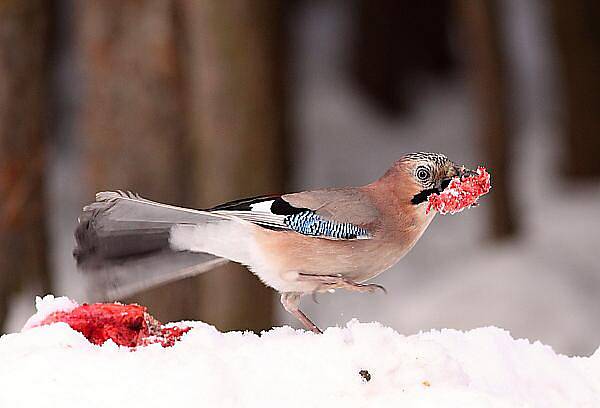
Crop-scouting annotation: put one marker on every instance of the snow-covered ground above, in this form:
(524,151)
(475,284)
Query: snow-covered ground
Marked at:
(54,366)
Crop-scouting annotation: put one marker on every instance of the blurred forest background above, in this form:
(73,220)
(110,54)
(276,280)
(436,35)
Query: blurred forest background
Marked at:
(199,102)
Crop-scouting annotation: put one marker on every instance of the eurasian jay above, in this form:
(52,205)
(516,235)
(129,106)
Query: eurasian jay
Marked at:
(298,244)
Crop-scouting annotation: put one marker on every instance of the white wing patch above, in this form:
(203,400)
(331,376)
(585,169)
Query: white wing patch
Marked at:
(262,218)
(263,206)
(260,213)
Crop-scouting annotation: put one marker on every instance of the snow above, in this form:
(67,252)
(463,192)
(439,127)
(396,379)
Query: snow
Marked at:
(46,306)
(56,366)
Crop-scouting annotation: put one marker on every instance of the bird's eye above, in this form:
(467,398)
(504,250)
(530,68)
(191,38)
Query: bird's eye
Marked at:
(423,173)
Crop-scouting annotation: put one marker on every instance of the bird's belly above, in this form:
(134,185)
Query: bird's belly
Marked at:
(285,257)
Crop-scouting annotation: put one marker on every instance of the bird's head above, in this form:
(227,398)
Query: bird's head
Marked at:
(418,175)
(431,173)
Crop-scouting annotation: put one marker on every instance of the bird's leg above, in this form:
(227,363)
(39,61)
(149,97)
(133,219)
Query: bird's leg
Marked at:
(291,301)
(338,281)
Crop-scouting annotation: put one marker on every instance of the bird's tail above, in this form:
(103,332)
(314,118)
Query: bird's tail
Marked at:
(122,243)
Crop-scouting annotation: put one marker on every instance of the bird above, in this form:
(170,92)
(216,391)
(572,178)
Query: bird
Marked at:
(298,244)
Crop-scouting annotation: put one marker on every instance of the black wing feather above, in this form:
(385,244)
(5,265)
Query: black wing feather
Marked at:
(279,206)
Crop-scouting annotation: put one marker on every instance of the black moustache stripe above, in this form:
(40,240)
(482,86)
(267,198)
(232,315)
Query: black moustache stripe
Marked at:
(445,183)
(422,196)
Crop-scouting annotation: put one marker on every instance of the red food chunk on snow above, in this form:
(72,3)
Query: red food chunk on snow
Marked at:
(166,337)
(126,325)
(460,194)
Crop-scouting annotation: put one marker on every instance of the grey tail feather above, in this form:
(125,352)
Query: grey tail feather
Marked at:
(122,244)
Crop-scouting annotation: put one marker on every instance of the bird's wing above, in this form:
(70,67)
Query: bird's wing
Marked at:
(332,214)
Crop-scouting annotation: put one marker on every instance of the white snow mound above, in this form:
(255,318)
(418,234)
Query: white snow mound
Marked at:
(55,366)
(46,306)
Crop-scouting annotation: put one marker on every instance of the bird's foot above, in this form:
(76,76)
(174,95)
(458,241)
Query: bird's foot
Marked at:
(327,282)
(365,287)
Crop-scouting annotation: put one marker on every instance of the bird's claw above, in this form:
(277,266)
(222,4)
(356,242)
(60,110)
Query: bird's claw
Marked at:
(380,287)
(369,288)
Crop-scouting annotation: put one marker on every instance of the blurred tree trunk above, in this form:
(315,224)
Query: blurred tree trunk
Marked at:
(578,35)
(479,21)
(132,122)
(235,109)
(24,31)
(396,42)
(183,104)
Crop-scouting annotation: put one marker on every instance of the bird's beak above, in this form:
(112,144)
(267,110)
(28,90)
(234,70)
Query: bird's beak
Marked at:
(453,171)
(460,171)
(464,172)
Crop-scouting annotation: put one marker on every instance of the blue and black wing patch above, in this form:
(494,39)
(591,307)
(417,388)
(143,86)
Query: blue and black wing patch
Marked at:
(310,223)
(275,213)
